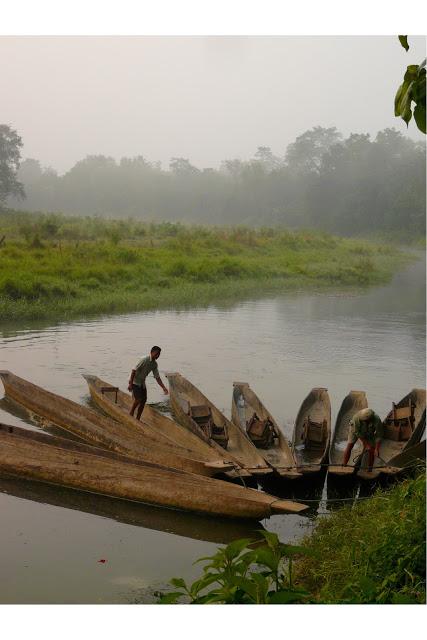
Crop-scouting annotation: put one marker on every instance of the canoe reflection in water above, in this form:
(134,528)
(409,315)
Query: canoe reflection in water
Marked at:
(187,525)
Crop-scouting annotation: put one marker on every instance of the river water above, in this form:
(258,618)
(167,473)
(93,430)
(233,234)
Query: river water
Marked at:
(52,541)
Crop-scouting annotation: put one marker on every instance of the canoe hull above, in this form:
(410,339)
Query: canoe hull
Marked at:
(53,464)
(317,407)
(279,456)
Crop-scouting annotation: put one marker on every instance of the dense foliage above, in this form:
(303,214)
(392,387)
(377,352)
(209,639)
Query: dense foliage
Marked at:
(412,90)
(347,186)
(372,552)
(53,266)
(244,572)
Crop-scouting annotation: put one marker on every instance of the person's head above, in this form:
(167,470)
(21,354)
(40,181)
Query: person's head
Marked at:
(365,415)
(155,352)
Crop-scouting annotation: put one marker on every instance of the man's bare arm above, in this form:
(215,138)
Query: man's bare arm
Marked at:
(132,375)
(160,383)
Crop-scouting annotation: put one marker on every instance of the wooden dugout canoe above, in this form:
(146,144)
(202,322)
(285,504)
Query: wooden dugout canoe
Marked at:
(162,430)
(352,403)
(33,459)
(101,431)
(184,395)
(311,450)
(244,405)
(390,448)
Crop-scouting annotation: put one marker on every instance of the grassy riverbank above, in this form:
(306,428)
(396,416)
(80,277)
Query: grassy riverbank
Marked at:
(57,267)
(370,553)
(373,552)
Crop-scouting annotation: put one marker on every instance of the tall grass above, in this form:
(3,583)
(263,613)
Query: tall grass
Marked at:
(56,266)
(373,552)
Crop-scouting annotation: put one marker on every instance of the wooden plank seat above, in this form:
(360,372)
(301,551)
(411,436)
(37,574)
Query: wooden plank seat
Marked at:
(202,415)
(399,424)
(261,432)
(314,433)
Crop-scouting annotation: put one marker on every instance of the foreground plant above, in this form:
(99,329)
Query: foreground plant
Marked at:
(244,572)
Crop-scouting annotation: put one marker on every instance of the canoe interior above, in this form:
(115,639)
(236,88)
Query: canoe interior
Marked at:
(244,404)
(184,394)
(317,408)
(352,403)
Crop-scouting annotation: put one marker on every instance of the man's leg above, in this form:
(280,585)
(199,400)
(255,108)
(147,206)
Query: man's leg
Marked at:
(142,403)
(371,456)
(134,406)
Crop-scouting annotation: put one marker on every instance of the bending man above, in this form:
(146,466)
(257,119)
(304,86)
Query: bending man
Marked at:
(367,427)
(137,380)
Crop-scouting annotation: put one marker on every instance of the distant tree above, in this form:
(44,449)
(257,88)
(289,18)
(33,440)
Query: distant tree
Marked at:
(412,90)
(266,157)
(182,167)
(10,156)
(30,171)
(305,154)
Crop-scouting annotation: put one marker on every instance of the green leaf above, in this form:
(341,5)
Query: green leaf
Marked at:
(170,598)
(271,538)
(411,73)
(266,556)
(420,116)
(248,586)
(236,547)
(404,42)
(179,582)
(286,597)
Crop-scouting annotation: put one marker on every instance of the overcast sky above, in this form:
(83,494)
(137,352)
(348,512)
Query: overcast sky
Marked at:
(202,98)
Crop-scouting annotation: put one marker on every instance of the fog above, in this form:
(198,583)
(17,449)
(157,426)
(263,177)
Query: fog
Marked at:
(202,98)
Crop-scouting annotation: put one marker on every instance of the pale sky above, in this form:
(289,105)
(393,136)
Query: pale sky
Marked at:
(205,98)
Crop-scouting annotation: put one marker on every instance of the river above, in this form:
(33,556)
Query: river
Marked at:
(52,541)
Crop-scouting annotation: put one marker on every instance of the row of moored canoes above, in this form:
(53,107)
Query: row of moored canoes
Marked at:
(171,462)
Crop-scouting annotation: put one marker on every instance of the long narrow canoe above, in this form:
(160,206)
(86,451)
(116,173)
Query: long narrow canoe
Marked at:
(352,403)
(31,459)
(159,427)
(312,431)
(184,395)
(392,444)
(102,431)
(179,523)
(245,406)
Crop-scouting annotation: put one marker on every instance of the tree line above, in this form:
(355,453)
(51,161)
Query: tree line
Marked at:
(347,185)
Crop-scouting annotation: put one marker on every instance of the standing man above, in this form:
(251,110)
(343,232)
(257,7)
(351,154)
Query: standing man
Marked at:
(137,380)
(367,426)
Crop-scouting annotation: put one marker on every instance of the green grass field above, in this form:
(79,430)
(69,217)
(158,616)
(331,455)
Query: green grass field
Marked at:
(56,267)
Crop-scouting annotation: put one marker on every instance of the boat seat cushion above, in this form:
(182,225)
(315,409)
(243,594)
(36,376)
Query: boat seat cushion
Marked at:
(261,432)
(314,433)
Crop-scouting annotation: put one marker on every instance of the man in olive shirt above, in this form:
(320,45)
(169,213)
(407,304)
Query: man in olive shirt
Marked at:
(137,380)
(367,426)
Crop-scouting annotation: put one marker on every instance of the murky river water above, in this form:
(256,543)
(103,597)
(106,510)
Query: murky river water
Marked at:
(51,541)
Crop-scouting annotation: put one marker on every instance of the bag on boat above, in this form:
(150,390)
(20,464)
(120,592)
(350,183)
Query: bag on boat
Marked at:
(202,415)
(399,423)
(261,432)
(314,434)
